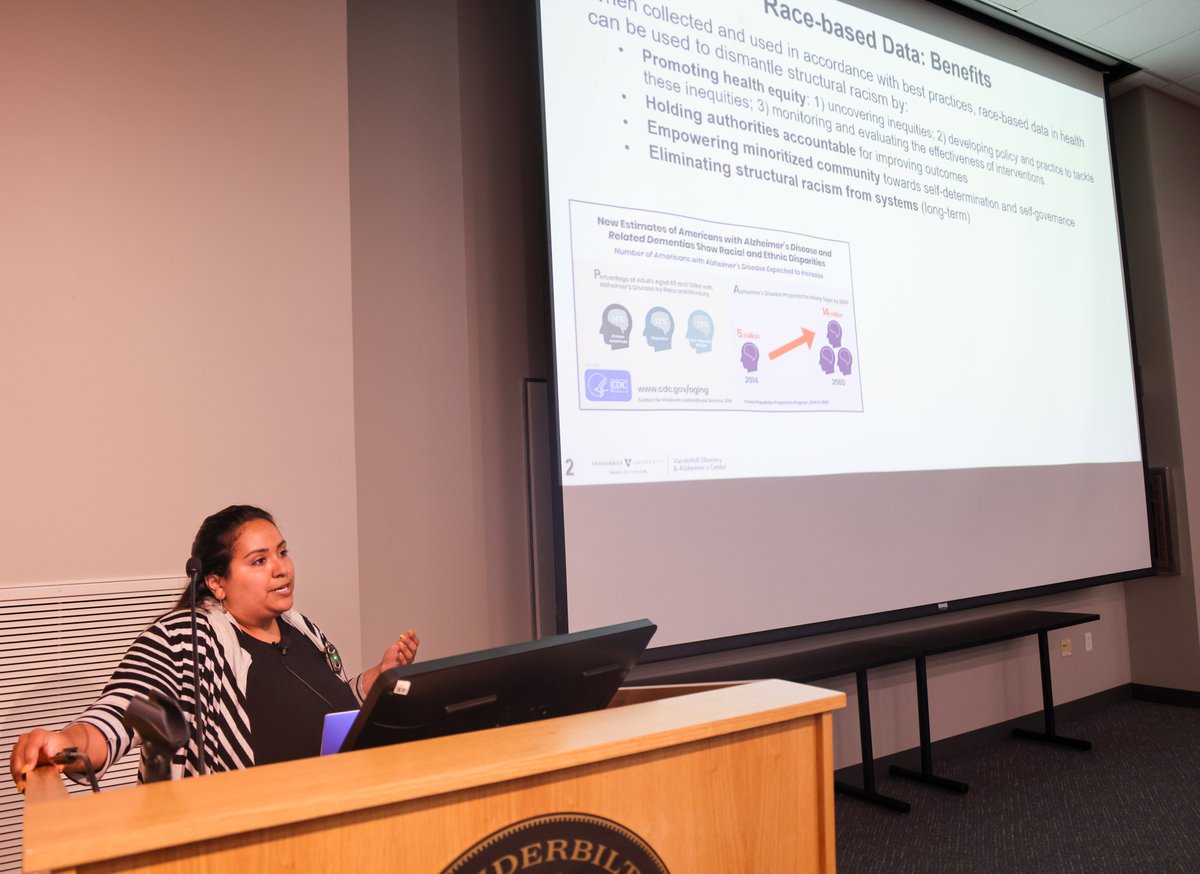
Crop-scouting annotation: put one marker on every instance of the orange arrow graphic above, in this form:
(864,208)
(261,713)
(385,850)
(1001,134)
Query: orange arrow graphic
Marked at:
(805,339)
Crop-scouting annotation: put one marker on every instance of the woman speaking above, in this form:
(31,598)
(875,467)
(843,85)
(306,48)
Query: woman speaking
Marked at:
(267,674)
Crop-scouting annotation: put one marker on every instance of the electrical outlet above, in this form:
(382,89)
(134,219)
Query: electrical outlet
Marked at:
(1065,645)
(1087,641)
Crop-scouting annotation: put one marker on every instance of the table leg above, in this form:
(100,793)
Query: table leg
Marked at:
(867,791)
(926,775)
(1049,735)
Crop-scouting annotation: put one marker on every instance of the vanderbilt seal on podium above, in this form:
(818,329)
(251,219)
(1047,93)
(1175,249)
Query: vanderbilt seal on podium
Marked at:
(562,843)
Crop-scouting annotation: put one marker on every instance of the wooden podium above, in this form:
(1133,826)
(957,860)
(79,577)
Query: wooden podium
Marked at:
(738,778)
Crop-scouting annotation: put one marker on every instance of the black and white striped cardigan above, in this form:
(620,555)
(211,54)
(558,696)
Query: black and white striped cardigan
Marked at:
(160,660)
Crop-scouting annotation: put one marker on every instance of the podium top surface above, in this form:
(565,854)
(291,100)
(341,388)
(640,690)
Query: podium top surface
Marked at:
(136,820)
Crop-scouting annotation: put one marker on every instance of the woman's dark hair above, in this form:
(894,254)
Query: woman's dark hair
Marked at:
(213,546)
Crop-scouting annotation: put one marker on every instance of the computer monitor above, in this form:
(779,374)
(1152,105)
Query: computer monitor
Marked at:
(553,676)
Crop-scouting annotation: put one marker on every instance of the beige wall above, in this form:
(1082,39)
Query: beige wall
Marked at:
(1156,140)
(448,315)
(507,282)
(175,300)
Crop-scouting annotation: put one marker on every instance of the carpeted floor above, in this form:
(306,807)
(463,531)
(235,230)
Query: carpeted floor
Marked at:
(1130,805)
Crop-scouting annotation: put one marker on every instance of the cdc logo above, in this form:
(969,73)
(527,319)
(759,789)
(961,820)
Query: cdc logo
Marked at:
(608,385)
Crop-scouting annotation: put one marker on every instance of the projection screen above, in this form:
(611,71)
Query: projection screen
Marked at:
(840,323)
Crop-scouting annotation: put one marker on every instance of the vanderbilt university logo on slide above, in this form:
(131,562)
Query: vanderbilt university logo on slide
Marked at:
(560,843)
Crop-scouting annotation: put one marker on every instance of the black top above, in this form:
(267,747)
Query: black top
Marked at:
(289,690)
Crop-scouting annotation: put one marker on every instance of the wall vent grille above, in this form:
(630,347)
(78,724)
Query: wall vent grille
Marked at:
(59,643)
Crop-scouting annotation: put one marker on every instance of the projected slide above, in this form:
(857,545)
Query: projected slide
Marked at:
(839,315)
(676,313)
(776,225)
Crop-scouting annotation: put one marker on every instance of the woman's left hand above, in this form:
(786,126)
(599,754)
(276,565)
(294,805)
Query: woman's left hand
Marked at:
(402,652)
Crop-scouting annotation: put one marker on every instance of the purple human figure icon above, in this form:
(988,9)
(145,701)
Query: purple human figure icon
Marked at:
(827,358)
(844,360)
(750,357)
(834,334)
(615,325)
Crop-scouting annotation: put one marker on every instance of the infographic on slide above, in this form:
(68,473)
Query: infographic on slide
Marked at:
(679,313)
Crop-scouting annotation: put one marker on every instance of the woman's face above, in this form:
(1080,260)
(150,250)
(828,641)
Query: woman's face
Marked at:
(260,581)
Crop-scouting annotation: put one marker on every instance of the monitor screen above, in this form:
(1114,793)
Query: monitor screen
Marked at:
(539,679)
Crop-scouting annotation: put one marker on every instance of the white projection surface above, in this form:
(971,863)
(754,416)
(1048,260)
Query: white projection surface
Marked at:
(839,314)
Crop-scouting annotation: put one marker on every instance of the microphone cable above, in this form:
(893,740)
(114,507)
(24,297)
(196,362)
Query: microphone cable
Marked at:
(193,572)
(284,643)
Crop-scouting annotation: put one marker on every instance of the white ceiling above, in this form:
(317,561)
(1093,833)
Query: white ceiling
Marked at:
(1160,36)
